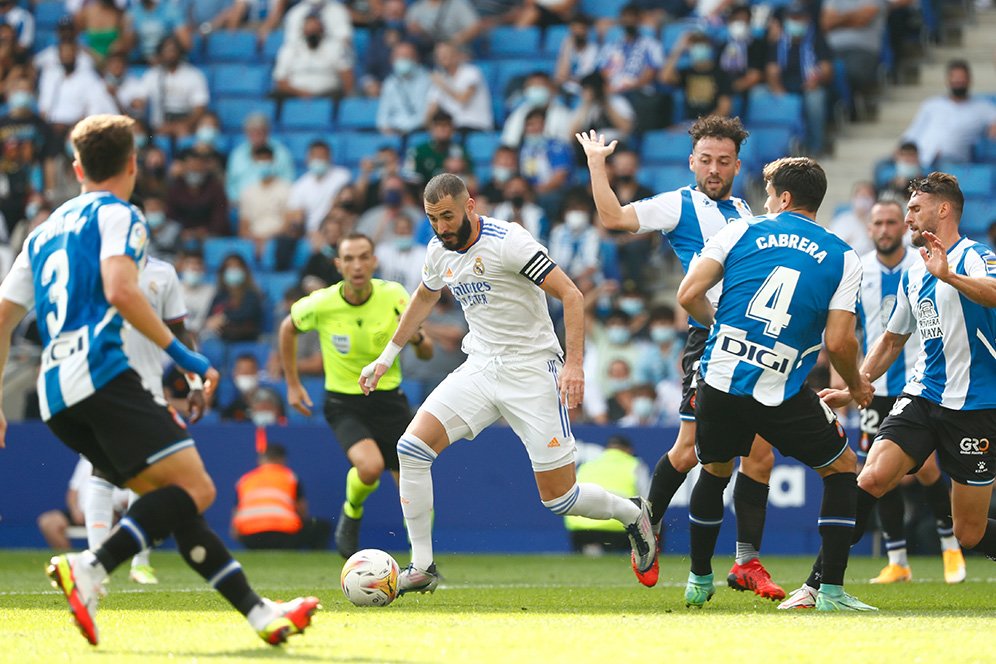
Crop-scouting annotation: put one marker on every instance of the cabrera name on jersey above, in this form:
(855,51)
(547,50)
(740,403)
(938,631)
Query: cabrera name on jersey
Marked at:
(956,367)
(689,218)
(496,281)
(879,286)
(783,273)
(58,273)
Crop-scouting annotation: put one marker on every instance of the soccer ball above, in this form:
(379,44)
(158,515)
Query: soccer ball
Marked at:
(370,578)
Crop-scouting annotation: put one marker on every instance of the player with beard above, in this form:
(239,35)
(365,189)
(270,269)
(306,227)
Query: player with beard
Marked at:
(515,370)
(882,270)
(949,405)
(688,217)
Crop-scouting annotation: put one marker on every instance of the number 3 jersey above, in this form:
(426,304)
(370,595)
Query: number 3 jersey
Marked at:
(58,273)
(496,281)
(783,273)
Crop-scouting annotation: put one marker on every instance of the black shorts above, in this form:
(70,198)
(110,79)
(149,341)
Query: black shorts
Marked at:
(871,419)
(382,416)
(694,347)
(961,438)
(801,427)
(121,429)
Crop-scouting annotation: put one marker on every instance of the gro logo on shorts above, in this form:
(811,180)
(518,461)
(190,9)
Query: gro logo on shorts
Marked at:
(974,446)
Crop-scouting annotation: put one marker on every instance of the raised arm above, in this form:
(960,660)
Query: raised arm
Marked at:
(613,215)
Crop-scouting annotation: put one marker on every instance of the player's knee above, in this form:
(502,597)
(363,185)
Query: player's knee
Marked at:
(52,523)
(202,491)
(561,505)
(871,481)
(758,465)
(682,455)
(369,469)
(969,532)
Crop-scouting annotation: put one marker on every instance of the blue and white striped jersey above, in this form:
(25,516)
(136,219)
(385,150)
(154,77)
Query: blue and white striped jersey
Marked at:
(879,285)
(783,273)
(956,367)
(688,218)
(58,272)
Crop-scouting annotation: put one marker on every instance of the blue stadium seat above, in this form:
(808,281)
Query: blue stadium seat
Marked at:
(241,80)
(268,259)
(231,46)
(984,151)
(47,14)
(489,70)
(974,179)
(214,349)
(511,42)
(673,32)
(298,141)
(666,147)
(358,113)
(272,45)
(361,40)
(481,146)
(355,146)
(217,248)
(43,39)
(770,110)
(666,178)
(259,349)
(555,35)
(275,284)
(233,112)
(603,8)
(315,114)
(885,170)
(977,216)
(767,144)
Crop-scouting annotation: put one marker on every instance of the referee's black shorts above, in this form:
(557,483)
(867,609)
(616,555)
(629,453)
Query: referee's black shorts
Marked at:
(383,416)
(801,427)
(121,429)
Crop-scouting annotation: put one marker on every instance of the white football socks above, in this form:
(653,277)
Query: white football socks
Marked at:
(98,511)
(415,486)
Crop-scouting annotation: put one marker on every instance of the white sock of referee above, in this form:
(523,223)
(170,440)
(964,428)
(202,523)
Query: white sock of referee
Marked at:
(415,486)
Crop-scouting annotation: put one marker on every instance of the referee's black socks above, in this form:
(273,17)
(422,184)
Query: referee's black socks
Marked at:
(149,520)
(705,516)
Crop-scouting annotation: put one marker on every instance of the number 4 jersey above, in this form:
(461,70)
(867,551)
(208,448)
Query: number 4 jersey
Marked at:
(58,273)
(783,273)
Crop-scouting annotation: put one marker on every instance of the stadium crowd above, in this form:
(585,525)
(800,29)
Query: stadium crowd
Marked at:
(272,128)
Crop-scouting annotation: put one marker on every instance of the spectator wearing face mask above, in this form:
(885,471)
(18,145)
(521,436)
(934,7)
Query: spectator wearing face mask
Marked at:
(333,14)
(905,167)
(404,95)
(661,354)
(316,66)
(851,225)
(575,244)
(395,203)
(577,56)
(66,33)
(127,90)
(608,114)
(459,89)
(401,258)
(263,205)
(237,309)
(609,396)
(742,56)
(630,65)
(312,194)
(386,32)
(35,140)
(196,199)
(164,233)
(611,342)
(518,207)
(68,94)
(198,292)
(641,409)
(320,270)
(253,402)
(545,162)
(504,166)
(538,93)
(177,91)
(241,170)
(425,160)
(705,85)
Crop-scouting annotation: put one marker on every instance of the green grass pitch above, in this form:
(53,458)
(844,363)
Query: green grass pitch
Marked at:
(518,609)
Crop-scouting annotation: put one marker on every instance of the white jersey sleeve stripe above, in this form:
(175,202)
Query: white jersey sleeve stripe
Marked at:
(845,297)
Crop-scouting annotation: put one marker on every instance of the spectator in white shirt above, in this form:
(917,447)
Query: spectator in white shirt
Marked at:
(459,89)
(198,292)
(314,66)
(851,225)
(241,169)
(312,194)
(21,20)
(454,21)
(263,204)
(127,90)
(67,94)
(48,57)
(401,257)
(578,55)
(575,244)
(177,92)
(538,92)
(404,95)
(335,17)
(517,206)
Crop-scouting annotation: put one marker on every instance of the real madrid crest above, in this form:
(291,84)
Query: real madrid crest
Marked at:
(479,267)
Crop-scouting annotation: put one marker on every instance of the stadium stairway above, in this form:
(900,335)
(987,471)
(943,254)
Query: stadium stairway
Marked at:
(859,146)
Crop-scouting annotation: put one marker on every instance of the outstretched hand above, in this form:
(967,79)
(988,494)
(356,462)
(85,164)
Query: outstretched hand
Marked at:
(935,256)
(594,145)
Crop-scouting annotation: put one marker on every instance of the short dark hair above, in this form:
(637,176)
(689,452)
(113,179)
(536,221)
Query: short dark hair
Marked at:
(908,145)
(960,63)
(274,452)
(890,199)
(802,177)
(104,144)
(443,185)
(354,235)
(662,312)
(440,117)
(319,143)
(715,126)
(536,113)
(247,356)
(943,185)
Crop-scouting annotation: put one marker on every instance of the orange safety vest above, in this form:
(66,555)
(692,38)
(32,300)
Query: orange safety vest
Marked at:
(267,501)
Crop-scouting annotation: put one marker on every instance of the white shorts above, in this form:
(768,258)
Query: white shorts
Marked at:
(526,392)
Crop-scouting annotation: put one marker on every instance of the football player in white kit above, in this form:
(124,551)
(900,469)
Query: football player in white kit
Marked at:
(515,370)
(99,498)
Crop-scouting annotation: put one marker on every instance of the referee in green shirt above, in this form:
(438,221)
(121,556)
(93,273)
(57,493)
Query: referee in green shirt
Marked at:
(354,320)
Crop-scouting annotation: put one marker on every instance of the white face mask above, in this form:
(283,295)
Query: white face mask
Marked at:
(264,418)
(739,30)
(577,220)
(245,383)
(643,407)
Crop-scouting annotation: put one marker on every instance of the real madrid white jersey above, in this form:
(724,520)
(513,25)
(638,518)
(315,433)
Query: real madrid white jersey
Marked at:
(688,218)
(956,367)
(58,273)
(879,285)
(162,288)
(496,281)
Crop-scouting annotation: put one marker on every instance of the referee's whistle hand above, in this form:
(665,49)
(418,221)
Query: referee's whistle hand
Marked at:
(299,400)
